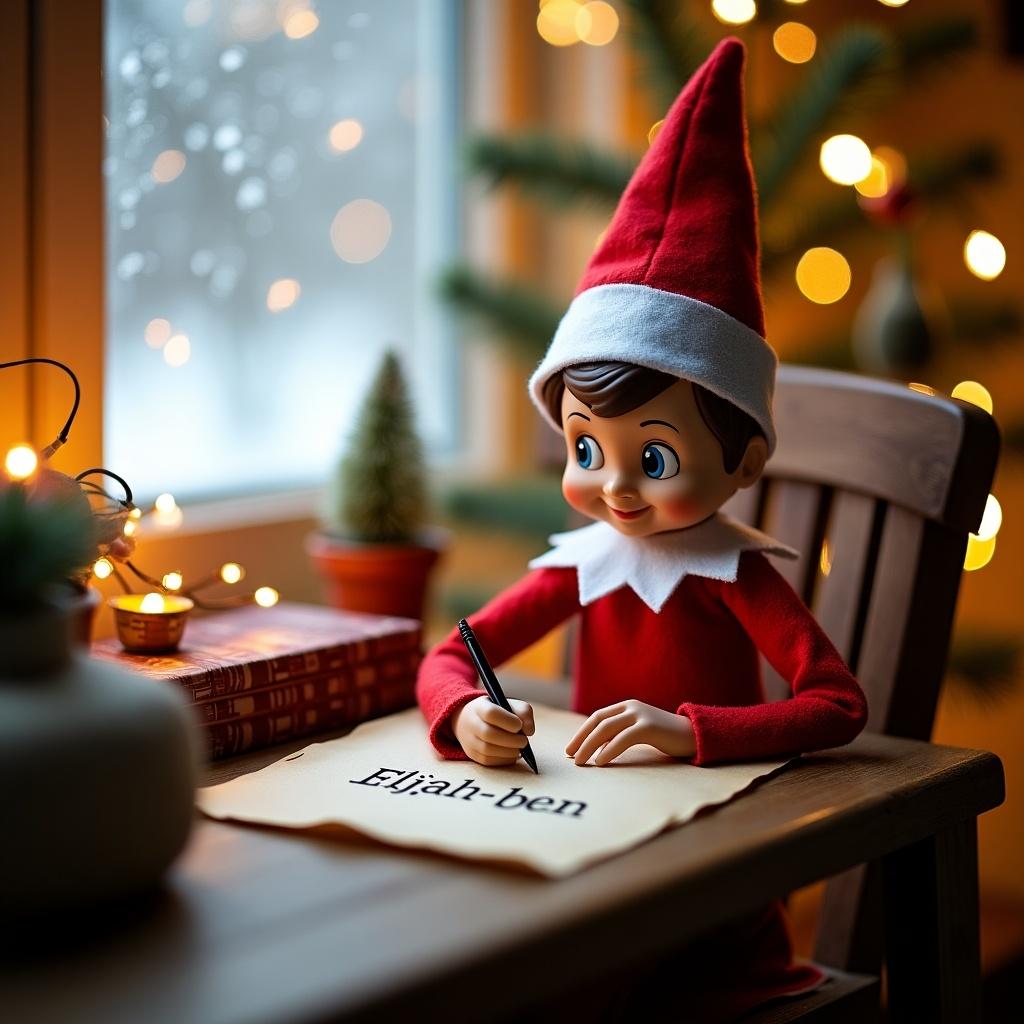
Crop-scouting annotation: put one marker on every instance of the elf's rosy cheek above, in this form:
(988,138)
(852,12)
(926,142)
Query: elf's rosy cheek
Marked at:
(573,493)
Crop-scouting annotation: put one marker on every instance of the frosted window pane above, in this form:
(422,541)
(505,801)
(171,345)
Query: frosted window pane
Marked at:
(280,198)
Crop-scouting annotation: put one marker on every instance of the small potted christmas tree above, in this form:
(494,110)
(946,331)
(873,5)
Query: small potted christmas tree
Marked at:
(375,551)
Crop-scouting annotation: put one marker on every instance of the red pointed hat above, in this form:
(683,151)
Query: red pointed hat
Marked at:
(674,286)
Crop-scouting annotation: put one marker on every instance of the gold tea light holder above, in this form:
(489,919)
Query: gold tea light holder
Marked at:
(149,623)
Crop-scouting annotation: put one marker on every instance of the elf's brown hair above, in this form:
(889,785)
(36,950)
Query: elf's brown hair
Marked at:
(613,388)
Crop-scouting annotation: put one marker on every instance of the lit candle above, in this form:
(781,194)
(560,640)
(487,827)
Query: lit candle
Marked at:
(150,622)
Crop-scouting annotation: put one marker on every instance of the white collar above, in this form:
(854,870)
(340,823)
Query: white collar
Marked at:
(652,566)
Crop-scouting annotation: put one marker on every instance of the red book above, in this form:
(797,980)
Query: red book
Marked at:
(310,690)
(262,730)
(252,648)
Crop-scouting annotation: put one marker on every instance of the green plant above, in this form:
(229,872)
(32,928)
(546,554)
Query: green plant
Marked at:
(44,541)
(379,493)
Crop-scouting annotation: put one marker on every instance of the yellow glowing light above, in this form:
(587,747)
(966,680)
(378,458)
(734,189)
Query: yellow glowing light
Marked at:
(734,12)
(136,513)
(172,580)
(825,561)
(165,503)
(597,23)
(984,255)
(21,462)
(991,519)
(979,552)
(360,231)
(129,527)
(795,2)
(889,3)
(345,135)
(795,42)
(823,275)
(655,128)
(266,597)
(300,24)
(975,393)
(878,181)
(169,520)
(845,159)
(168,165)
(282,294)
(102,568)
(177,350)
(152,603)
(556,22)
(231,572)
(924,389)
(895,164)
(157,332)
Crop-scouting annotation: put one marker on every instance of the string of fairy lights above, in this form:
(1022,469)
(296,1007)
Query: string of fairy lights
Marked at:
(878,175)
(119,517)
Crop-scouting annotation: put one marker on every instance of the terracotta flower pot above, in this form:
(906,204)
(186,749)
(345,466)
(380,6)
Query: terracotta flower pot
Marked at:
(385,579)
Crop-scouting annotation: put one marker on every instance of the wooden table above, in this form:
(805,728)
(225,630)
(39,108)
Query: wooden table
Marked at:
(256,925)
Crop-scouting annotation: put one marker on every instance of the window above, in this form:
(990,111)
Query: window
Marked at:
(280,196)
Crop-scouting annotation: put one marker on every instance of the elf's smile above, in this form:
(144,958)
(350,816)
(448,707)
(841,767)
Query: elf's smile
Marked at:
(634,514)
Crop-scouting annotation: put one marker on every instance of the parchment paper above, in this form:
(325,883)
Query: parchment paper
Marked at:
(386,781)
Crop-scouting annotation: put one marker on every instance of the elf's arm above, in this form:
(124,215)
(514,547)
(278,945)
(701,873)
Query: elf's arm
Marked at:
(509,623)
(827,708)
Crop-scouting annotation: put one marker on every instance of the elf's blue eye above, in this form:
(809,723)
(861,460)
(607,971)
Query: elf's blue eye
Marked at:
(588,453)
(660,462)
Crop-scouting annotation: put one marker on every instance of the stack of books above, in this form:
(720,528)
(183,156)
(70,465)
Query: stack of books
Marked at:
(258,676)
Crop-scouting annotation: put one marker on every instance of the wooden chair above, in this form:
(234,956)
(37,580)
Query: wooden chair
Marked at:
(877,486)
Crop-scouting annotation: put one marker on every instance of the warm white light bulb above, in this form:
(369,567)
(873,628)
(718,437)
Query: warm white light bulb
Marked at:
(152,603)
(231,572)
(102,568)
(991,519)
(266,597)
(984,255)
(21,462)
(734,12)
(129,527)
(172,580)
(845,159)
(165,503)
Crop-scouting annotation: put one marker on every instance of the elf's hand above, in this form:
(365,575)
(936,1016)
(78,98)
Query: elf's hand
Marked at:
(620,726)
(491,735)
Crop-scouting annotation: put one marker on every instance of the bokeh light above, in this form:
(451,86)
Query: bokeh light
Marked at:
(823,275)
(984,255)
(975,393)
(152,603)
(360,231)
(282,294)
(597,23)
(734,12)
(877,182)
(889,3)
(172,580)
(991,519)
(165,503)
(845,159)
(345,135)
(301,23)
(21,461)
(157,332)
(266,597)
(129,527)
(556,22)
(177,350)
(795,42)
(979,552)
(168,165)
(895,164)
(102,568)
(231,572)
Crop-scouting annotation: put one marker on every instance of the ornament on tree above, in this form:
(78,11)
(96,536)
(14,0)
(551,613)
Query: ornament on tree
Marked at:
(899,323)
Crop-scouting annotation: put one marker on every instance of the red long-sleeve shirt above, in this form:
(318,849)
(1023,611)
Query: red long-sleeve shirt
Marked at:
(698,657)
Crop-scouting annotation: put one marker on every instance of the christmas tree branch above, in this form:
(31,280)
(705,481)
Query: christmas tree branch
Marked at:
(670,43)
(550,169)
(524,319)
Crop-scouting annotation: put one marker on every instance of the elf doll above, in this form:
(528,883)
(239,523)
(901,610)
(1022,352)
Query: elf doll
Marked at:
(661,381)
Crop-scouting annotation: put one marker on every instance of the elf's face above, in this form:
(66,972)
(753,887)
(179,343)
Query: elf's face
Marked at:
(653,469)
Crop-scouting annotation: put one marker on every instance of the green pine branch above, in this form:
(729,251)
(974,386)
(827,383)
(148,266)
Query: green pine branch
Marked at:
(551,169)
(523,319)
(926,45)
(532,507)
(670,43)
(852,61)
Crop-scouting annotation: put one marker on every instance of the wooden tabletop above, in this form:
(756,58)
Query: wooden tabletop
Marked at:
(264,925)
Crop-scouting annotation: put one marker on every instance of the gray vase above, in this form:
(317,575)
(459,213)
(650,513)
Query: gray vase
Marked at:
(97,771)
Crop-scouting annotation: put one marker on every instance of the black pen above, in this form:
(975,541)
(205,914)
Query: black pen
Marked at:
(490,681)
